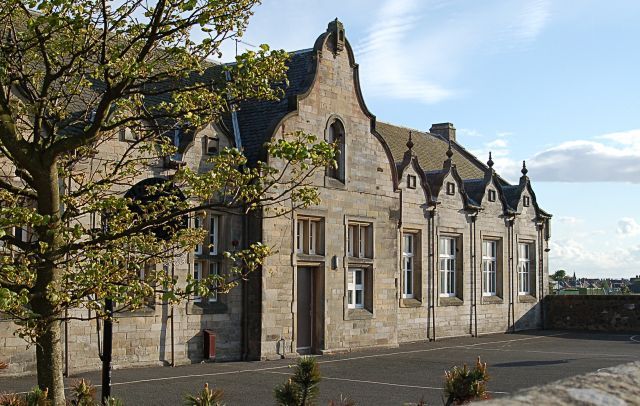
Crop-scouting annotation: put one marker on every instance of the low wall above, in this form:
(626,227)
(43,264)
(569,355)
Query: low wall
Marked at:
(593,312)
(611,386)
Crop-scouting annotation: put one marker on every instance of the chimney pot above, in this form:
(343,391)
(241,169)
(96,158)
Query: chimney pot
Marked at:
(446,130)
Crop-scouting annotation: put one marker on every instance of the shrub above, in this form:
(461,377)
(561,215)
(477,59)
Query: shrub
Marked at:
(84,393)
(37,397)
(462,385)
(12,399)
(343,401)
(206,397)
(302,388)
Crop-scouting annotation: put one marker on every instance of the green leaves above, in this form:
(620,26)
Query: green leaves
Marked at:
(302,388)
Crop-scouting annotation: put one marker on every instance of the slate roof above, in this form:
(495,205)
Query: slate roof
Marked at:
(475,189)
(430,149)
(257,118)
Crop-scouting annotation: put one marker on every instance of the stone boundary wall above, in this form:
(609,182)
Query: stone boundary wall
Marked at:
(593,312)
(611,386)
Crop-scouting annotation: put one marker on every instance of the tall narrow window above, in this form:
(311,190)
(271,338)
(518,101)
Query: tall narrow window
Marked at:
(524,268)
(360,240)
(308,236)
(408,250)
(299,236)
(351,240)
(197,276)
(197,224)
(213,271)
(447,266)
(355,288)
(313,236)
(336,136)
(177,134)
(213,234)
(489,267)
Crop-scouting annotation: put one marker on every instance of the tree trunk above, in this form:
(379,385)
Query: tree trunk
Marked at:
(50,363)
(49,346)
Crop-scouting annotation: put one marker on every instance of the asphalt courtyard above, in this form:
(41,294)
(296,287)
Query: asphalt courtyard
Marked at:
(381,377)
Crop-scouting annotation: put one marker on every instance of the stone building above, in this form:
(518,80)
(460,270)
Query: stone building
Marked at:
(415,239)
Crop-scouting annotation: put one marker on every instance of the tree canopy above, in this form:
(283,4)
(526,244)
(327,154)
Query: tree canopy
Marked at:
(74,74)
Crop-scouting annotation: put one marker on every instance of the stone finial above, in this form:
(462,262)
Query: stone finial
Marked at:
(336,28)
(524,169)
(490,161)
(410,141)
(449,151)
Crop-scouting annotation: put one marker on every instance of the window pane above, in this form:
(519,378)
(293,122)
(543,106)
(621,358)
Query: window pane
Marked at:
(312,236)
(358,277)
(359,297)
(350,240)
(213,235)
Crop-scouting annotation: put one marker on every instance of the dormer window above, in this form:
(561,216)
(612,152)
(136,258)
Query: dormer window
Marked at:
(336,135)
(492,195)
(212,145)
(451,188)
(526,201)
(127,134)
(411,181)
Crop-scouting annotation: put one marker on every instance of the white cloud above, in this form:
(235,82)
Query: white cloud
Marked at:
(628,227)
(468,132)
(414,48)
(573,256)
(610,158)
(568,220)
(498,144)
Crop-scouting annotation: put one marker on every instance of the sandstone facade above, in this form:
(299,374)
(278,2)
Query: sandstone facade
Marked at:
(366,267)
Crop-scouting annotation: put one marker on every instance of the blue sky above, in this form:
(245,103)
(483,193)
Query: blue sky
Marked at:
(555,83)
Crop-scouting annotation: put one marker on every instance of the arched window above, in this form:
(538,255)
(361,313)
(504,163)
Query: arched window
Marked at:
(336,135)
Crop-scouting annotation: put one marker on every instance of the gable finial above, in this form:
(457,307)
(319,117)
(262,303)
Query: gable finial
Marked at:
(449,151)
(524,169)
(490,161)
(410,141)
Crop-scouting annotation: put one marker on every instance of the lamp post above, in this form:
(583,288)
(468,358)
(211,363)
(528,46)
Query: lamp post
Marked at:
(107,350)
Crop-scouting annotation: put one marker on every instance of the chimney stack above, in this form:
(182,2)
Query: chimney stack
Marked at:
(446,130)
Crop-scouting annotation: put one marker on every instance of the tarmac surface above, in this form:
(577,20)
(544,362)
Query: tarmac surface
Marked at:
(380,377)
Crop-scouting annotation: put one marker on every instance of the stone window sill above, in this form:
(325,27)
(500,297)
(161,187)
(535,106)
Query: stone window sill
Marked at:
(334,183)
(451,301)
(358,314)
(360,261)
(527,299)
(144,311)
(310,258)
(492,300)
(413,302)
(206,308)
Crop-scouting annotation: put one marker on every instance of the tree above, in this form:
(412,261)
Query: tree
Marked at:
(73,74)
(559,275)
(302,388)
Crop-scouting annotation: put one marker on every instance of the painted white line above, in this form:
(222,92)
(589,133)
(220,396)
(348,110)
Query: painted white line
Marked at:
(586,355)
(378,383)
(437,349)
(171,378)
(635,339)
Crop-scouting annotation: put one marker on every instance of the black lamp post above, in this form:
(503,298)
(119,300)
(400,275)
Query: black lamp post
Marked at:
(107,350)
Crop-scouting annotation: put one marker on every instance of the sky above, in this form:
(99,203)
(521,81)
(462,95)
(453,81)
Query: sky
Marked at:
(554,83)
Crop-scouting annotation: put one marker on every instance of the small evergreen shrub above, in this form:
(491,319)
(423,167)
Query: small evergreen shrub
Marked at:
(302,388)
(84,394)
(206,397)
(12,399)
(462,385)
